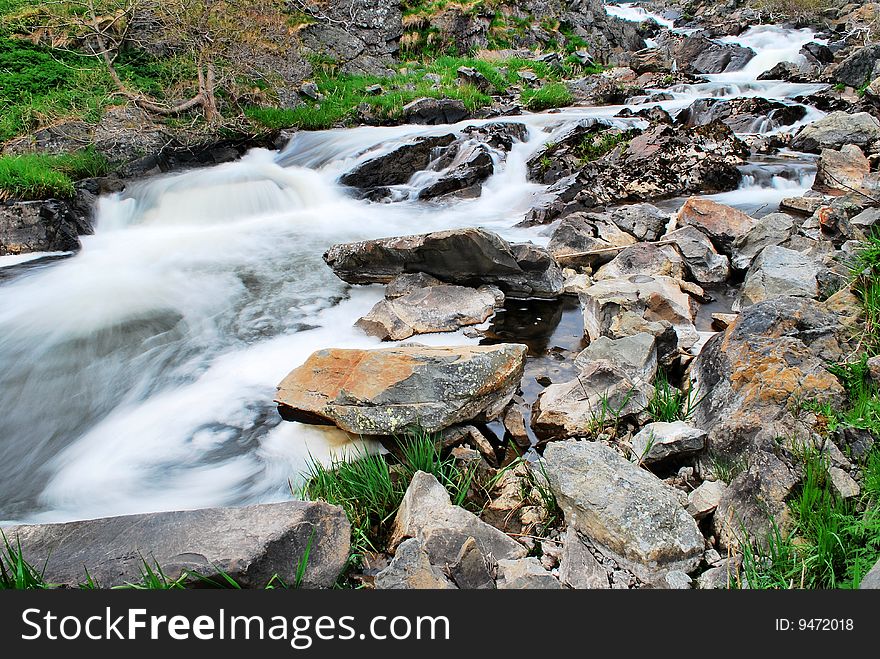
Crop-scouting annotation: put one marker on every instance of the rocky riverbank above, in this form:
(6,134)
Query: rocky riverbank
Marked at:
(719,391)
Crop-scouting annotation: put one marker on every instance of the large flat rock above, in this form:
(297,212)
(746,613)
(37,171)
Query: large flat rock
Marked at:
(390,390)
(249,544)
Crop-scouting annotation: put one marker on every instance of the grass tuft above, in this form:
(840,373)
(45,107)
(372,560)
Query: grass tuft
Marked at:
(16,573)
(670,403)
(38,176)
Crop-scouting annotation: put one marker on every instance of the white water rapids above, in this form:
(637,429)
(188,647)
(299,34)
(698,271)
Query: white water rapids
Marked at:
(138,375)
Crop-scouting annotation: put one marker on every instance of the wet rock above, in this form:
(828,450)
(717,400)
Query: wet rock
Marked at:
(721,577)
(458,256)
(859,68)
(779,272)
(843,483)
(386,391)
(662,441)
(435,111)
(578,568)
(398,166)
(515,425)
(42,226)
(498,135)
(776,352)
(625,511)
(703,501)
(768,231)
(471,166)
(837,130)
(704,264)
(724,225)
(582,406)
(525,574)
(586,239)
(471,570)
(411,569)
(842,171)
(754,502)
(697,54)
(651,298)
(635,355)
(742,115)
(644,259)
(442,529)
(250,544)
(789,72)
(443,308)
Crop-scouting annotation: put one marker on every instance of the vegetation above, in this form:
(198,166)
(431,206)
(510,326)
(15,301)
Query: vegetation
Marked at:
(37,176)
(15,571)
(670,403)
(551,95)
(595,147)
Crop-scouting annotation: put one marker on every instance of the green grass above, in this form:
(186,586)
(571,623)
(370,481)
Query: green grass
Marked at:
(37,176)
(551,95)
(16,573)
(670,403)
(595,147)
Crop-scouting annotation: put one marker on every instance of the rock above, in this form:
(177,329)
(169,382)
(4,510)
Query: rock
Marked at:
(635,355)
(498,135)
(443,308)
(600,393)
(721,321)
(386,391)
(774,353)
(722,577)
(651,298)
(697,54)
(625,511)
(820,52)
(427,514)
(866,221)
(409,282)
(724,225)
(676,580)
(458,256)
(872,579)
(250,544)
(806,205)
(398,166)
(836,130)
(515,426)
(586,239)
(42,226)
(790,72)
(843,170)
(411,569)
(661,441)
(471,166)
(843,483)
(859,68)
(703,501)
(471,570)
(435,111)
(578,568)
(779,272)
(754,502)
(525,574)
(768,231)
(643,221)
(644,259)
(704,264)
(470,76)
(742,115)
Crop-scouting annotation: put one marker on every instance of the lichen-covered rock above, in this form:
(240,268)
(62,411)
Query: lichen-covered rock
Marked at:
(724,225)
(387,391)
(644,259)
(836,130)
(635,355)
(586,239)
(627,512)
(779,272)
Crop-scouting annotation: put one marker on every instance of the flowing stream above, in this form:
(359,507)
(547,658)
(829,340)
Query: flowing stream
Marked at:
(138,375)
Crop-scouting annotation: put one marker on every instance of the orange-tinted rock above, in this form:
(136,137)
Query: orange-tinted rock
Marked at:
(387,391)
(723,224)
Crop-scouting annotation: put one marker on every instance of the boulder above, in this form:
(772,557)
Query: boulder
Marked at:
(842,171)
(643,221)
(458,256)
(724,225)
(704,264)
(586,239)
(42,226)
(742,115)
(409,282)
(703,501)
(859,68)
(411,569)
(871,581)
(626,512)
(697,54)
(435,111)
(578,567)
(470,76)
(471,571)
(644,259)
(635,355)
(662,441)
(525,574)
(768,231)
(775,352)
(599,395)
(470,166)
(498,135)
(443,308)
(250,544)
(779,272)
(427,514)
(390,390)
(837,130)
(650,298)
(398,166)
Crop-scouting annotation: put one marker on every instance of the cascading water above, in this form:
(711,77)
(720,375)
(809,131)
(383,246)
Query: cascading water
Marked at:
(139,374)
